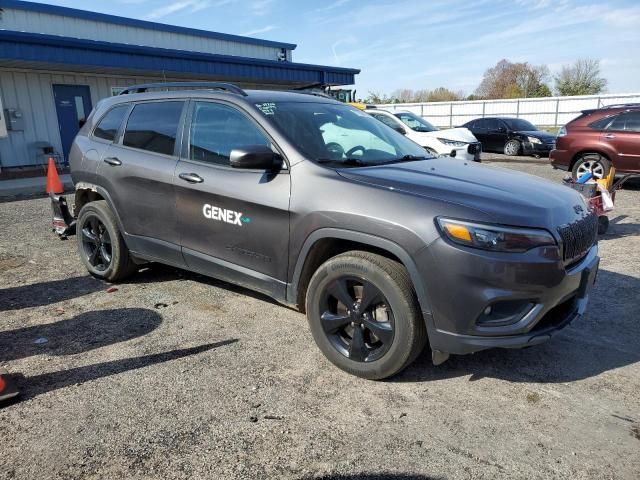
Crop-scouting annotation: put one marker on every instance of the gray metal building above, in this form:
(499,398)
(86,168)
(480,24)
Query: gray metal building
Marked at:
(56,63)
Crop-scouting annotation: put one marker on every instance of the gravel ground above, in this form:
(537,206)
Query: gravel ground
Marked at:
(174,375)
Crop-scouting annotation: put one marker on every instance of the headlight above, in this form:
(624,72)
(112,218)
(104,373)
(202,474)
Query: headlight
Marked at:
(534,140)
(452,143)
(494,237)
(562,132)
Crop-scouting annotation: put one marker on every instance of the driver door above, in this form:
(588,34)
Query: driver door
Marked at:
(234,223)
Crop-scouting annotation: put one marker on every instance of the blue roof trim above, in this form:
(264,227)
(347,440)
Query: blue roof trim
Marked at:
(32,47)
(130,22)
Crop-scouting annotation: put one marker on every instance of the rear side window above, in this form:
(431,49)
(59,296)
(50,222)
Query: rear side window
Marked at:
(110,124)
(217,129)
(629,121)
(153,127)
(601,124)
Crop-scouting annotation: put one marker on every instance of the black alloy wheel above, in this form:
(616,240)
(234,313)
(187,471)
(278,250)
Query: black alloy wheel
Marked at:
(96,243)
(357,319)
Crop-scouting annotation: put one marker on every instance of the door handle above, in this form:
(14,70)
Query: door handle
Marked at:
(191,177)
(113,161)
(609,135)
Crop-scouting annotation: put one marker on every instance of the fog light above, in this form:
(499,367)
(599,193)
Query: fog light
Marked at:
(505,312)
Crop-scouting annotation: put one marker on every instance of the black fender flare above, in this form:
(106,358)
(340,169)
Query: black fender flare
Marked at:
(367,239)
(106,196)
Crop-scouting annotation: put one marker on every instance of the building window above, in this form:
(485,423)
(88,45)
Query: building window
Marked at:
(154,127)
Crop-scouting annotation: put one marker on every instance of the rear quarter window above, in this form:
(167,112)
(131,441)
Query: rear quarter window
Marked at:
(110,123)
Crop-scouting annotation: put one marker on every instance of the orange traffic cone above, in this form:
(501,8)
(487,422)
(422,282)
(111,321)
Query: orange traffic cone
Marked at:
(7,389)
(54,185)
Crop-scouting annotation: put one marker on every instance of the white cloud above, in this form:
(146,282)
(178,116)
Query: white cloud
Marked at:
(266,29)
(190,5)
(260,7)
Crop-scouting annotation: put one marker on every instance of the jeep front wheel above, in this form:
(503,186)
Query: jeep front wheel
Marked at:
(100,244)
(364,315)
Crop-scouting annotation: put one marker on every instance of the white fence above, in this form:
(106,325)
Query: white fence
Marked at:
(547,111)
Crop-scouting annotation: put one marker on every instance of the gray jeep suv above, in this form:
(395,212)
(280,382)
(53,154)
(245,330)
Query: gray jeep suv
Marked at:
(322,207)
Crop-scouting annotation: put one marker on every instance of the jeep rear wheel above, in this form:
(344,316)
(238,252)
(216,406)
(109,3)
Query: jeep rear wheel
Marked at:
(100,244)
(364,315)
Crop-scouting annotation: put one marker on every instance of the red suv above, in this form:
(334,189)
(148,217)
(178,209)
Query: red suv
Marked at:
(598,139)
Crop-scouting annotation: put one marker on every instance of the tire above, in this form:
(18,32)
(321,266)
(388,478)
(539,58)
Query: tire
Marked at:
(591,162)
(393,314)
(512,148)
(100,244)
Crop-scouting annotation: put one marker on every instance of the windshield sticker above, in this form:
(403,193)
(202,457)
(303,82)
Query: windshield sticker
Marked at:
(267,108)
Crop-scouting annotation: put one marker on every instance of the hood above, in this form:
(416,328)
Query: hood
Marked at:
(545,136)
(506,196)
(461,134)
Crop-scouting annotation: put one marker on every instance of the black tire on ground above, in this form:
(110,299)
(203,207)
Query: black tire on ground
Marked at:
(392,282)
(603,224)
(113,262)
(591,162)
(513,148)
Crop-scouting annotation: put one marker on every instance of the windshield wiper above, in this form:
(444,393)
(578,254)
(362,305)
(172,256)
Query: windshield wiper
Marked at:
(406,158)
(351,162)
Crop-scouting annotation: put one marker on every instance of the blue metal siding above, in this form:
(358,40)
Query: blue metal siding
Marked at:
(52,49)
(130,22)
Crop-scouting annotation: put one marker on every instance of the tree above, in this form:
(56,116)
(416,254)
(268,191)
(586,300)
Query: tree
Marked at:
(581,78)
(377,98)
(442,94)
(513,80)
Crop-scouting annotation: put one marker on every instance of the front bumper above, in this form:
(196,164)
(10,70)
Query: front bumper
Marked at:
(468,281)
(529,148)
(470,152)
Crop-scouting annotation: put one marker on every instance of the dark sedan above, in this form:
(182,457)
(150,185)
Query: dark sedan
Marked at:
(511,136)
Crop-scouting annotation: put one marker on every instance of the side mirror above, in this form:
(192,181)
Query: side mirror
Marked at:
(255,157)
(400,129)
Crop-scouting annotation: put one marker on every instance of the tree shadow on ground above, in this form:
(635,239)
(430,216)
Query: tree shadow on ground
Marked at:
(84,332)
(36,385)
(47,293)
(604,339)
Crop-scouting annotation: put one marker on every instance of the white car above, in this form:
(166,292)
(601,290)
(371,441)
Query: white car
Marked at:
(453,142)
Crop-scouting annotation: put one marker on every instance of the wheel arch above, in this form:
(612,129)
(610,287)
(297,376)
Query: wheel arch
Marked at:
(586,151)
(87,193)
(326,243)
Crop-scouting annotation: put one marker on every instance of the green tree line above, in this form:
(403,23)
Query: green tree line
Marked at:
(509,79)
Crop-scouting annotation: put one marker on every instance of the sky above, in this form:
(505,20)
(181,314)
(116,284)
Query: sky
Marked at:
(419,43)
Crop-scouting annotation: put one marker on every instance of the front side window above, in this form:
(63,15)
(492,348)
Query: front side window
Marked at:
(388,121)
(339,135)
(416,123)
(154,126)
(217,129)
(109,125)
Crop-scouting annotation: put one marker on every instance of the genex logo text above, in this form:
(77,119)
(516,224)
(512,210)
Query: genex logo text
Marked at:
(223,215)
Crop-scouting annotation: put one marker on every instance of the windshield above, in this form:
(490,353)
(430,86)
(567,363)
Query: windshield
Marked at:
(519,124)
(415,123)
(339,135)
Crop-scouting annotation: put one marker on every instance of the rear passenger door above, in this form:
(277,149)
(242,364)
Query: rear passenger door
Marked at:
(137,171)
(479,130)
(234,223)
(623,134)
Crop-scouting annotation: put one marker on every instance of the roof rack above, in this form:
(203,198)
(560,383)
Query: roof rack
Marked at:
(622,105)
(227,87)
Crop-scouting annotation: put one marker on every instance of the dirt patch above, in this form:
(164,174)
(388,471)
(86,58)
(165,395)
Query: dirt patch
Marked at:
(7,262)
